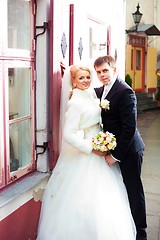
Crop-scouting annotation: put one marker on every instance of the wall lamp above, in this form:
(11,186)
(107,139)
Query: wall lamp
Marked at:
(137,15)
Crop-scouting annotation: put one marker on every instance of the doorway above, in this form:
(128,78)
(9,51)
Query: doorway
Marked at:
(137,66)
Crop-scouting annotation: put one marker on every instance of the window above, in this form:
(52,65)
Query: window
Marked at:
(132,60)
(1,131)
(17,91)
(138,41)
(19,27)
(138,59)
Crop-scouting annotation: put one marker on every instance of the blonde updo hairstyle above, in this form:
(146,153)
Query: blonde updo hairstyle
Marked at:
(73,71)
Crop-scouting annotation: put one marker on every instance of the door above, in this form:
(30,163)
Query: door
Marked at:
(137,66)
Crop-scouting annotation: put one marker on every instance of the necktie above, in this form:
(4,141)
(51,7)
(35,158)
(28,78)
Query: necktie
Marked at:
(105,91)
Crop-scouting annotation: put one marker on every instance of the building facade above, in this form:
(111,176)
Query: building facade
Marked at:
(36,36)
(143,45)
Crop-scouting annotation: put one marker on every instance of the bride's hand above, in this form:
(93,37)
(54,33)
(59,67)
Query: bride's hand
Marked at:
(99,153)
(63,67)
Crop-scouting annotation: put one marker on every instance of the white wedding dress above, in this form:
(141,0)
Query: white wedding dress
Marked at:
(85,199)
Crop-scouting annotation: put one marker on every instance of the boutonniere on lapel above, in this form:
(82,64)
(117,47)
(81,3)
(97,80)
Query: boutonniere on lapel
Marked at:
(104,104)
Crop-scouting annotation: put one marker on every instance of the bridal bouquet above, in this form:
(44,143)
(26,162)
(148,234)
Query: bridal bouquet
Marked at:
(104,141)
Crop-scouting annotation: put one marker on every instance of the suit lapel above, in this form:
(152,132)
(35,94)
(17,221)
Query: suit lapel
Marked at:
(99,91)
(112,90)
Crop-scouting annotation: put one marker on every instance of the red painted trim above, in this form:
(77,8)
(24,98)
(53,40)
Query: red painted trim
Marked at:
(54,87)
(143,68)
(94,19)
(10,56)
(34,10)
(71,34)
(34,47)
(136,43)
(137,90)
(51,69)
(109,40)
(151,90)
(4,177)
(141,45)
(21,57)
(21,224)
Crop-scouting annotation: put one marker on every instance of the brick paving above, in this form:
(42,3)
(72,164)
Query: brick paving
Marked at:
(149,127)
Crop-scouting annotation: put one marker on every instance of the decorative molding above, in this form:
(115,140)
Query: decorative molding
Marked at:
(80,48)
(63,45)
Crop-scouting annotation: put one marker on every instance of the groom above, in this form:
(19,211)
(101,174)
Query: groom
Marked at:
(120,120)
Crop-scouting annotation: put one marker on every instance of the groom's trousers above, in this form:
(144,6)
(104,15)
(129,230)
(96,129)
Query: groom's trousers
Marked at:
(131,172)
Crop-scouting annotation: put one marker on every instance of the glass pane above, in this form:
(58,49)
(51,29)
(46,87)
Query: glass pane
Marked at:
(1,158)
(1,131)
(138,60)
(19,92)
(20,144)
(19,24)
(132,59)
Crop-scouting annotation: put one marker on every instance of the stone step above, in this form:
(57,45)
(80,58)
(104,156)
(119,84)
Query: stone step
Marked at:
(144,95)
(145,102)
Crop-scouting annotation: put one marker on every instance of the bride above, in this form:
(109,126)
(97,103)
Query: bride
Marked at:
(85,199)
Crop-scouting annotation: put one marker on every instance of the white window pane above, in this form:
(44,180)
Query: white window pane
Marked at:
(19,26)
(20,144)
(19,92)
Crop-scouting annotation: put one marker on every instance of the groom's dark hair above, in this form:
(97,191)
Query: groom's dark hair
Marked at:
(105,59)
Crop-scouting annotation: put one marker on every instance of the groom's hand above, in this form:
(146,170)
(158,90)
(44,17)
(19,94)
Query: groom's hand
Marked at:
(110,160)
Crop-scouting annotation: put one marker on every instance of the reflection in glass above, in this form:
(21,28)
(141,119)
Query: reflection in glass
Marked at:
(19,107)
(0,158)
(132,59)
(20,145)
(19,27)
(1,137)
(138,60)
(19,92)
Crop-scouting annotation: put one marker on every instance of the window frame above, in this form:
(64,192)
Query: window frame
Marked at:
(9,58)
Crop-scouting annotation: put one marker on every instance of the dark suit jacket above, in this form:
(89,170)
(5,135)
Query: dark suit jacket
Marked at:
(121,119)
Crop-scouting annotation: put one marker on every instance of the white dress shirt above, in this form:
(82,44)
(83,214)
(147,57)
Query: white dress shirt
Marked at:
(107,88)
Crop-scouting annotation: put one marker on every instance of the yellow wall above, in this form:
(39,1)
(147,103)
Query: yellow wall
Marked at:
(151,67)
(128,63)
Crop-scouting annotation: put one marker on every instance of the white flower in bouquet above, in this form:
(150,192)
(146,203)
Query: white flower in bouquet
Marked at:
(104,141)
(104,104)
